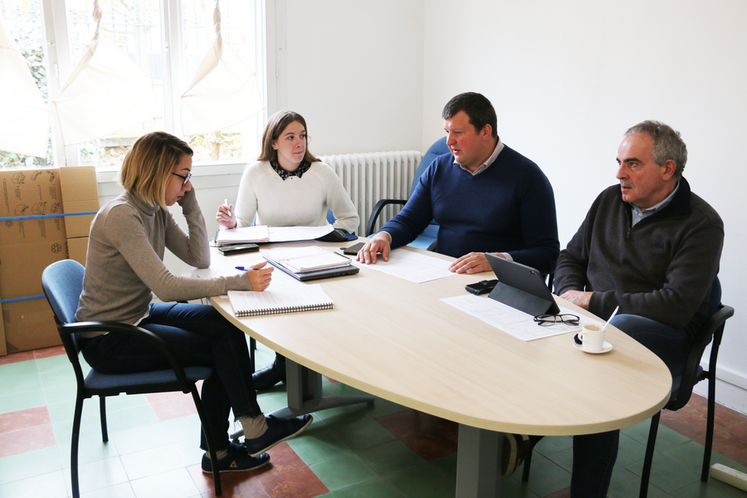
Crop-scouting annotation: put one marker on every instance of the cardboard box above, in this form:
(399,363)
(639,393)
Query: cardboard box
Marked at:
(77,249)
(80,194)
(29,245)
(29,325)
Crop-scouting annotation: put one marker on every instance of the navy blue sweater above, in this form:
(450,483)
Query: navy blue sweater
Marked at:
(510,207)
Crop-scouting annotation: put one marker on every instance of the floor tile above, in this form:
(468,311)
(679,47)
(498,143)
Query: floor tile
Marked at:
(547,477)
(435,443)
(49,485)
(24,419)
(174,484)
(49,352)
(25,440)
(409,422)
(295,483)
(318,447)
(342,472)
(151,462)
(421,481)
(376,488)
(30,464)
(390,457)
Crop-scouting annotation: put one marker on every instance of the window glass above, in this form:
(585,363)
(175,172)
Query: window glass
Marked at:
(238,142)
(135,28)
(23,22)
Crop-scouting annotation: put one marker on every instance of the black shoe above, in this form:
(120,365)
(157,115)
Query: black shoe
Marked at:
(278,430)
(515,450)
(237,460)
(269,376)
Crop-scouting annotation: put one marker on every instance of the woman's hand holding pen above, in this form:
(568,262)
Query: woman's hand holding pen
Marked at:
(259,276)
(226,216)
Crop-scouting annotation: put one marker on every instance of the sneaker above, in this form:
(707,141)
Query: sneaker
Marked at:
(237,460)
(278,430)
(516,447)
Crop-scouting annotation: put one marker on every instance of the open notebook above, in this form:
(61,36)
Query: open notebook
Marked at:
(289,299)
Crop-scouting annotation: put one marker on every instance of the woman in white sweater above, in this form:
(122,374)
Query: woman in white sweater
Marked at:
(288,186)
(124,268)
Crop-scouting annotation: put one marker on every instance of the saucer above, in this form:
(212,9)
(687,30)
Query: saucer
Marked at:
(606,349)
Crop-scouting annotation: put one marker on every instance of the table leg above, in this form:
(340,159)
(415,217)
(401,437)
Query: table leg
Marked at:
(478,463)
(304,388)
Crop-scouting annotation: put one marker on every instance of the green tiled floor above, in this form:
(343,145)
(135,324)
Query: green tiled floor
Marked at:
(347,449)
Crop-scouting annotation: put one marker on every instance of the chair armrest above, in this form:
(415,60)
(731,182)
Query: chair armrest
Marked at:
(377,210)
(131,330)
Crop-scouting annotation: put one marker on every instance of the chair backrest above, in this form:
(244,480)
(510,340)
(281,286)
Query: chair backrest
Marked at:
(438,148)
(62,282)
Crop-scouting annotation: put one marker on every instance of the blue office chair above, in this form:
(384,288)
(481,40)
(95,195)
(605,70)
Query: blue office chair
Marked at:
(62,282)
(428,237)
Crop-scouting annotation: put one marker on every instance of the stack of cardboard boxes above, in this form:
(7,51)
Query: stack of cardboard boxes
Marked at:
(33,234)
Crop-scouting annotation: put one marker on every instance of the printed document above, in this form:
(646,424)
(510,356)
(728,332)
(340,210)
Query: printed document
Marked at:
(512,321)
(412,266)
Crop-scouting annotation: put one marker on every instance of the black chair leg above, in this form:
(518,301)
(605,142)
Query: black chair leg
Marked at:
(74,444)
(102,416)
(252,349)
(648,460)
(528,460)
(709,429)
(209,440)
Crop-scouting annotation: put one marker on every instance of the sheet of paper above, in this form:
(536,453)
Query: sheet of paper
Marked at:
(258,233)
(290,234)
(412,266)
(510,320)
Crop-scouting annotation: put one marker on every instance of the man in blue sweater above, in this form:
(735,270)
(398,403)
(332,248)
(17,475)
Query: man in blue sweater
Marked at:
(485,196)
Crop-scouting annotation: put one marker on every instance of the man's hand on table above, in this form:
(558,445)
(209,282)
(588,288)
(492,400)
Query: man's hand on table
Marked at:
(380,243)
(579,298)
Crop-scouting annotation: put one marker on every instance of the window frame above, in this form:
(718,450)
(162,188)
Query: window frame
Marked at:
(59,66)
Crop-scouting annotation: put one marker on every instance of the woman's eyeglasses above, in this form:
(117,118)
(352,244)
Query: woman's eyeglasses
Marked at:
(184,178)
(546,320)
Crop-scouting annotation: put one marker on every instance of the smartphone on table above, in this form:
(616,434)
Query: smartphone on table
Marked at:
(353,250)
(238,249)
(481,287)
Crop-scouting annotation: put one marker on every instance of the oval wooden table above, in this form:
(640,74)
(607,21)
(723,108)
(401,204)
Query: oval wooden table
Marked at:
(396,340)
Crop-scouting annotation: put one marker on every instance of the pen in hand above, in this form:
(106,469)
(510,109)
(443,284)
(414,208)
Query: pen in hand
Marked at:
(225,201)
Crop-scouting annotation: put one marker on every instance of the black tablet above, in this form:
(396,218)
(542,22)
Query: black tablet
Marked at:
(521,287)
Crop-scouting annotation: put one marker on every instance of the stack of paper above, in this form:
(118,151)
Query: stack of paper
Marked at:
(306,259)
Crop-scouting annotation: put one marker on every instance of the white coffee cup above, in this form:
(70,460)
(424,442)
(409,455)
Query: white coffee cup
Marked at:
(592,338)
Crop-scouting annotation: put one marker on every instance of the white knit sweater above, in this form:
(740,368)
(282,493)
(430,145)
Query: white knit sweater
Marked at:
(295,201)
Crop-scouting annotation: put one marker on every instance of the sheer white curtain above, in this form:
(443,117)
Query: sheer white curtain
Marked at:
(106,92)
(24,127)
(223,90)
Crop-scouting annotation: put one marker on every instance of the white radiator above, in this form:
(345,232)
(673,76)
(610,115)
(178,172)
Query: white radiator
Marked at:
(368,177)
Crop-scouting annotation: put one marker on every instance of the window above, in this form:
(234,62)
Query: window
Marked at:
(166,38)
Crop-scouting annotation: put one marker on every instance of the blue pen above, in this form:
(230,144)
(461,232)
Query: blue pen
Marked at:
(243,268)
(225,201)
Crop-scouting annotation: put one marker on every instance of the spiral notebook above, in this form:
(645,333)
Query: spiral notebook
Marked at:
(283,300)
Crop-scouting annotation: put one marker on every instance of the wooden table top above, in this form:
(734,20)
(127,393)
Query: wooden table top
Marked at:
(396,340)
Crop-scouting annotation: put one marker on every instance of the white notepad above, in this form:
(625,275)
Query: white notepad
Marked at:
(289,299)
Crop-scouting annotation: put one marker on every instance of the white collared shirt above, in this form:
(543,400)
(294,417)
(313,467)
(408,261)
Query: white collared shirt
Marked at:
(490,160)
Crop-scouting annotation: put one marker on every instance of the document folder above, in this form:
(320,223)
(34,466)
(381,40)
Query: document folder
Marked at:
(521,287)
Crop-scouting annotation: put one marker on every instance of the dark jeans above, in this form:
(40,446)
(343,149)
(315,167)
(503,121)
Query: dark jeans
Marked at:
(594,455)
(198,336)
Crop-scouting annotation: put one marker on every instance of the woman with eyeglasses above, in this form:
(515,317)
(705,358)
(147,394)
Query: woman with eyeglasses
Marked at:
(124,269)
(288,186)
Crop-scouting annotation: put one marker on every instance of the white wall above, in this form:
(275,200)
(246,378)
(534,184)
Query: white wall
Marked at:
(568,78)
(354,70)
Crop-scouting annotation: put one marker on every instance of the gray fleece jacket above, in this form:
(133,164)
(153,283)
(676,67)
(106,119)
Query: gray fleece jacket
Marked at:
(662,268)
